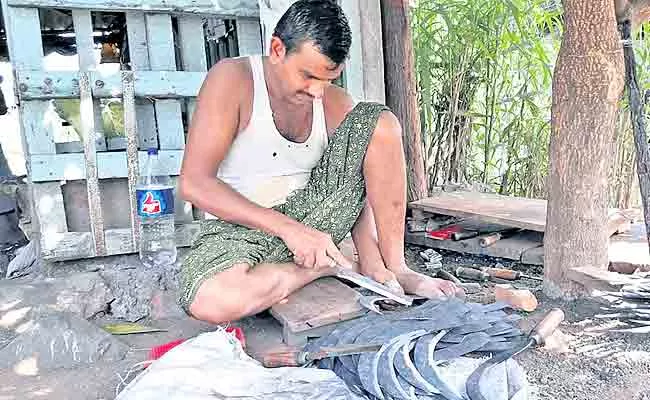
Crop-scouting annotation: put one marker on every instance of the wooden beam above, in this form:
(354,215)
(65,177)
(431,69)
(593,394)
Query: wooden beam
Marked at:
(44,85)
(354,65)
(249,37)
(75,245)
(225,8)
(162,57)
(132,157)
(372,49)
(90,113)
(401,94)
(71,166)
(139,61)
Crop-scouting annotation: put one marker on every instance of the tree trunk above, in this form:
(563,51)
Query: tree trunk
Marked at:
(587,84)
(401,94)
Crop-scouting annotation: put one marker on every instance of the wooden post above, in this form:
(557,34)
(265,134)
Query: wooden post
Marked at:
(638,125)
(587,85)
(401,94)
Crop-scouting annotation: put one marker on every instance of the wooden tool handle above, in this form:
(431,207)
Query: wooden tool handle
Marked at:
(547,326)
(489,240)
(282,358)
(471,273)
(456,236)
(503,273)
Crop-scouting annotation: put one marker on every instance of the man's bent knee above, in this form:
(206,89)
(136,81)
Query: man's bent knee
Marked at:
(219,299)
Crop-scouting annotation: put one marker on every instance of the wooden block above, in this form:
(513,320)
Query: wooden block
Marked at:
(592,278)
(323,302)
(534,256)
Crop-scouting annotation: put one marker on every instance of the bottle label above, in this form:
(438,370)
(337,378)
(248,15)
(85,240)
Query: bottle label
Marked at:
(155,202)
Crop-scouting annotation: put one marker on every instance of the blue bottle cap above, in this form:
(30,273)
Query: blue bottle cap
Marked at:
(152,151)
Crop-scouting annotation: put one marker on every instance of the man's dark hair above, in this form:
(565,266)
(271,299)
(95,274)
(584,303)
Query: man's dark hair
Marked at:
(321,22)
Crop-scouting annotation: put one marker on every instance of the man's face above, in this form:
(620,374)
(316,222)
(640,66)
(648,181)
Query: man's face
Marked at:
(304,73)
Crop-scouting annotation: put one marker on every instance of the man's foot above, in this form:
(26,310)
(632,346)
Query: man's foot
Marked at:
(419,284)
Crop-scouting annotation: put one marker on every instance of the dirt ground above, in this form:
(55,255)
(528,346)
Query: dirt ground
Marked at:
(582,362)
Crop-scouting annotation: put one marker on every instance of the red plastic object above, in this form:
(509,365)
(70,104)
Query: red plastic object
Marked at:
(444,233)
(158,351)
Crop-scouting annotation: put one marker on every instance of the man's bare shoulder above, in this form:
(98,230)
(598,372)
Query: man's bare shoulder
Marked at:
(337,104)
(231,74)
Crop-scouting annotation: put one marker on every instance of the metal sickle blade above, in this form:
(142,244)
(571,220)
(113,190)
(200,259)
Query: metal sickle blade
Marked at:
(375,286)
(472,386)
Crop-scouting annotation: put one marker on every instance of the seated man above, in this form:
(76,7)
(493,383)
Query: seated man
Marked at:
(286,166)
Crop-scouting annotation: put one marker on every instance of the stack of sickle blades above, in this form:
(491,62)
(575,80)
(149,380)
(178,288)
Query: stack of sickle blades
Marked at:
(416,343)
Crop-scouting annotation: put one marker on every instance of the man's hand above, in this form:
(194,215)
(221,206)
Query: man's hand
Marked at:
(312,248)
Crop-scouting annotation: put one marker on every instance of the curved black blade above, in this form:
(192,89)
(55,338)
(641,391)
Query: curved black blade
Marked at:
(426,365)
(469,344)
(409,372)
(386,370)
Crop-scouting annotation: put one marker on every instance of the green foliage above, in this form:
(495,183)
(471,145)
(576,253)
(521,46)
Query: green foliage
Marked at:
(484,72)
(112,116)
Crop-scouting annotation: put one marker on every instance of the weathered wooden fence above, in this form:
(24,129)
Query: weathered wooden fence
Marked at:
(83,202)
(155,94)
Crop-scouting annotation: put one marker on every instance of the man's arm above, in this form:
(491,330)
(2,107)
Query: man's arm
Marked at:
(215,124)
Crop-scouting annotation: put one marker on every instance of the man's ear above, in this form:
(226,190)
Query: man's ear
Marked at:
(277,50)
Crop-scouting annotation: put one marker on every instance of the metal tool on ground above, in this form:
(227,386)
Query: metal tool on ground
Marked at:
(470,288)
(462,235)
(471,273)
(508,274)
(372,285)
(537,337)
(492,238)
(296,357)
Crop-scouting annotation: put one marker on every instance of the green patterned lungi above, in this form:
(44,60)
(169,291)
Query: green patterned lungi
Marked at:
(331,202)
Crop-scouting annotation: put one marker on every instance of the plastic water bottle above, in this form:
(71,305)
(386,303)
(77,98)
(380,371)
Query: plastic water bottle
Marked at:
(155,201)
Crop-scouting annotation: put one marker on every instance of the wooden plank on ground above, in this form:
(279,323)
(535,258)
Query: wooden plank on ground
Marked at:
(518,212)
(493,208)
(511,248)
(320,303)
(75,245)
(592,278)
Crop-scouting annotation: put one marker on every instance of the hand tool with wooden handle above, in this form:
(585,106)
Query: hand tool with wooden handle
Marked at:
(537,337)
(508,274)
(296,357)
(373,285)
(456,236)
(492,238)
(471,273)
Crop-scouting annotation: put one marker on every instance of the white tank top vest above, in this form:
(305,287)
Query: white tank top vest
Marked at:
(264,166)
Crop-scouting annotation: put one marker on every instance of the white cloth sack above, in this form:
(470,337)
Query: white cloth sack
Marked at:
(213,365)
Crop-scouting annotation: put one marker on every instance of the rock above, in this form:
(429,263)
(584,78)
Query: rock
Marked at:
(53,339)
(85,294)
(164,305)
(22,263)
(133,289)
